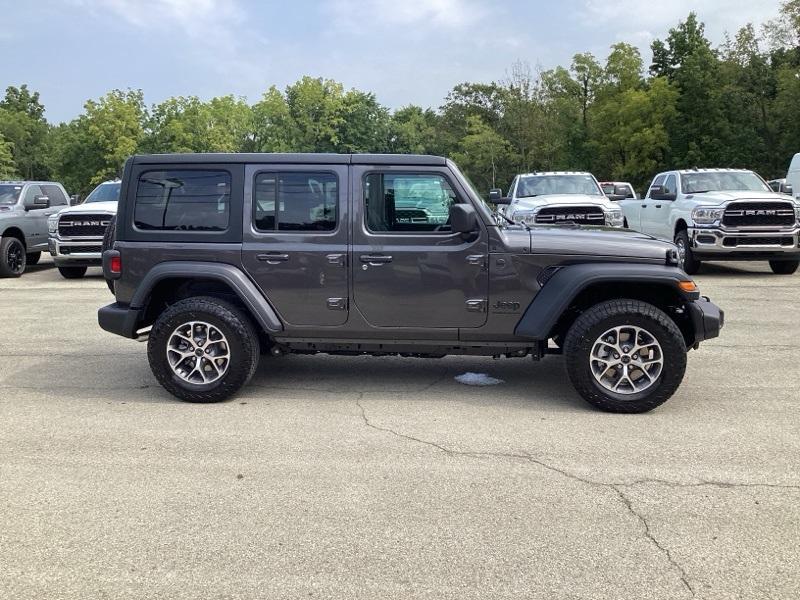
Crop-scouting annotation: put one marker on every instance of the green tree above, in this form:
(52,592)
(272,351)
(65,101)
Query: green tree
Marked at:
(483,153)
(414,130)
(7,167)
(22,123)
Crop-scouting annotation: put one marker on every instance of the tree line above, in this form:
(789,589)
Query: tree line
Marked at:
(735,105)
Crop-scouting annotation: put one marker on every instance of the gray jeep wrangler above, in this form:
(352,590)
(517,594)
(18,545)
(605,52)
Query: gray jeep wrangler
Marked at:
(218,258)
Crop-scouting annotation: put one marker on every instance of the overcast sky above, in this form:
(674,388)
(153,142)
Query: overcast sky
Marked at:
(405,51)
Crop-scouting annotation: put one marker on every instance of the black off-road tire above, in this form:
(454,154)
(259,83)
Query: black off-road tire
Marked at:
(602,317)
(238,329)
(12,257)
(32,258)
(109,237)
(72,272)
(690,264)
(784,267)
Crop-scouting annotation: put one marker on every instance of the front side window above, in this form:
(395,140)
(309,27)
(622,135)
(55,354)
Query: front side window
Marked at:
(183,200)
(670,187)
(57,197)
(407,202)
(295,201)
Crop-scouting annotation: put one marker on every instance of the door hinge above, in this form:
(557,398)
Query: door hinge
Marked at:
(476,305)
(337,303)
(477,259)
(336,259)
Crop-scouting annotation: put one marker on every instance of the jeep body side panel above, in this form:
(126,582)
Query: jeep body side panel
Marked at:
(562,288)
(303,273)
(234,277)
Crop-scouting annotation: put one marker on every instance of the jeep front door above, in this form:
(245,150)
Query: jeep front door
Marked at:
(409,269)
(294,242)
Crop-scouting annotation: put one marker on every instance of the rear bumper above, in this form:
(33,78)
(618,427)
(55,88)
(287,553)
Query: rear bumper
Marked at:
(119,319)
(707,319)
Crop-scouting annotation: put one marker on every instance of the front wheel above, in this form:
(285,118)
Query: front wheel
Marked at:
(12,257)
(685,255)
(625,356)
(203,349)
(72,272)
(784,267)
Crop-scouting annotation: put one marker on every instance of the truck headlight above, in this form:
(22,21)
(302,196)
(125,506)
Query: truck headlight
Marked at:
(797,212)
(52,223)
(614,217)
(525,216)
(707,216)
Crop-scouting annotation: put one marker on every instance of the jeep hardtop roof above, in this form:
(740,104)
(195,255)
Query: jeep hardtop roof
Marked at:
(301,158)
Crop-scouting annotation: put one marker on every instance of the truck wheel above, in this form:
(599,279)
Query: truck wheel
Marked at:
(625,356)
(203,349)
(687,260)
(109,237)
(784,267)
(72,272)
(12,257)
(32,258)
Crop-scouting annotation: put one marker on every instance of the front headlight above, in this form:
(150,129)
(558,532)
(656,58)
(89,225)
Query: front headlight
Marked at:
(52,223)
(797,212)
(707,216)
(525,216)
(614,217)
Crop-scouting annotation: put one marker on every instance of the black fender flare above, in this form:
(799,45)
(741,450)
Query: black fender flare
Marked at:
(563,287)
(255,301)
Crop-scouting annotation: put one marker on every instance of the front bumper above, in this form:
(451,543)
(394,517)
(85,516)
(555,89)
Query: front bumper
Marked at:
(721,243)
(76,252)
(707,319)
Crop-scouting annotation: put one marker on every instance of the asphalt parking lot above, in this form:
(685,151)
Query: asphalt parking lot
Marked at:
(334,477)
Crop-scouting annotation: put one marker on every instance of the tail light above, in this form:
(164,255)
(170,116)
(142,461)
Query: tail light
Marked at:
(115,265)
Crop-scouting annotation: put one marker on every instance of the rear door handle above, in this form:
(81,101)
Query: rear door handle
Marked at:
(272,259)
(375,260)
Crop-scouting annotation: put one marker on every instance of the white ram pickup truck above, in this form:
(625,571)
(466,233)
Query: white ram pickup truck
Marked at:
(558,197)
(719,214)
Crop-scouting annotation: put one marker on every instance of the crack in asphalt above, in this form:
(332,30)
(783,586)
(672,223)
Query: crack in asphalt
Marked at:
(615,486)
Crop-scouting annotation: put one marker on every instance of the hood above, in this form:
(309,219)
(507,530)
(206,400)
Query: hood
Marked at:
(599,242)
(555,199)
(92,207)
(714,198)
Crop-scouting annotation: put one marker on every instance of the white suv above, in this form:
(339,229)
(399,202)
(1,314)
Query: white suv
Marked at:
(719,214)
(558,197)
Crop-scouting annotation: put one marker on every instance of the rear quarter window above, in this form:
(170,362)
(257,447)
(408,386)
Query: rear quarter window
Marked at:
(196,200)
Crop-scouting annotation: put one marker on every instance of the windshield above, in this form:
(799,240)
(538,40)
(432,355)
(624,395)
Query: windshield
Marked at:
(105,192)
(541,185)
(719,181)
(9,193)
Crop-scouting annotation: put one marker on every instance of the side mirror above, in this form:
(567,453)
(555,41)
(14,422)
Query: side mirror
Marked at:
(74,199)
(495,194)
(787,188)
(37,202)
(464,220)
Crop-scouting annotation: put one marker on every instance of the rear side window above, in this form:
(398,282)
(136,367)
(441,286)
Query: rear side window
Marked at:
(408,202)
(183,200)
(295,201)
(57,197)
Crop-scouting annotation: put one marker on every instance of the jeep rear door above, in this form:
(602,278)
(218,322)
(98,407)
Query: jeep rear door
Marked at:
(295,240)
(408,268)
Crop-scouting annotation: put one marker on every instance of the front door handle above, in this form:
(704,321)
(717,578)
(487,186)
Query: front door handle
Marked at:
(644,205)
(272,259)
(658,206)
(375,259)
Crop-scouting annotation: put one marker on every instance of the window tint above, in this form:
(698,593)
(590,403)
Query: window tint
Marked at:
(31,192)
(407,202)
(183,200)
(670,187)
(57,197)
(297,201)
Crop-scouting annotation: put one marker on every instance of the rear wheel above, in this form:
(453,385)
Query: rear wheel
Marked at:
(32,258)
(784,267)
(12,257)
(625,356)
(685,255)
(203,349)
(72,272)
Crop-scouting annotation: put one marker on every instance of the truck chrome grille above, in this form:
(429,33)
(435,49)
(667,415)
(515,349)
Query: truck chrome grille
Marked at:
(757,214)
(571,214)
(83,225)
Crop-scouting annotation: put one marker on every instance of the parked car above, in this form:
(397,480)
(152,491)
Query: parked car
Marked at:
(558,197)
(793,177)
(25,207)
(778,185)
(76,233)
(619,190)
(222,257)
(720,214)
